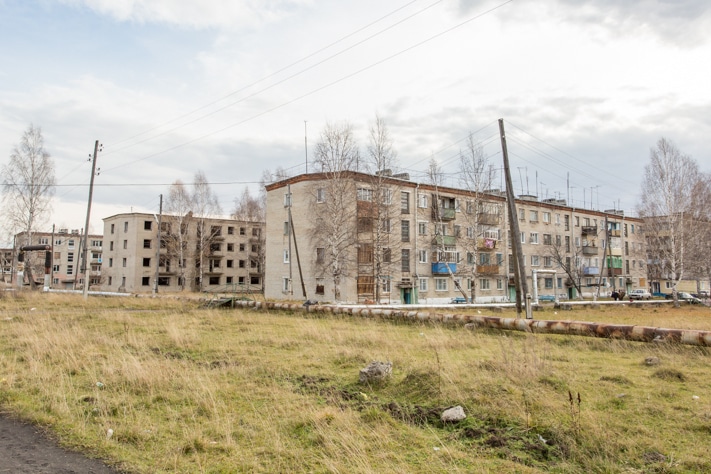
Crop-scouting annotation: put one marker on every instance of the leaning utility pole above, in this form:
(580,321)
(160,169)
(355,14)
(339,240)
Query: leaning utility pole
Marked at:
(519,264)
(160,217)
(86,227)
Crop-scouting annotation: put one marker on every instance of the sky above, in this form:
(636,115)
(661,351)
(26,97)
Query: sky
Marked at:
(233,87)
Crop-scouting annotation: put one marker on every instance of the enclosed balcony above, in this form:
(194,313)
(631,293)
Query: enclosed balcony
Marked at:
(591,271)
(444,240)
(443,213)
(590,250)
(589,230)
(488,269)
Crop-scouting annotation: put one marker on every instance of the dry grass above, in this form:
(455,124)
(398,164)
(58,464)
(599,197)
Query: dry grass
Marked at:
(192,390)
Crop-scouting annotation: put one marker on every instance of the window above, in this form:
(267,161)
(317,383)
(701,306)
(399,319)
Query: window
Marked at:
(242,231)
(146,225)
(440,284)
(320,254)
(286,228)
(386,285)
(548,262)
(548,283)
(423,256)
(422,200)
(285,284)
(470,232)
(287,199)
(228,280)
(535,261)
(522,214)
(423,284)
(58,242)
(533,216)
(214,280)
(70,269)
(534,238)
(365,254)
(422,228)
(364,194)
(111,262)
(125,244)
(123,261)
(70,243)
(405,230)
(255,280)
(112,228)
(230,263)
(241,247)
(387,197)
(230,247)
(55,268)
(547,217)
(43,241)
(319,286)
(499,284)
(240,280)
(405,260)
(405,202)
(577,221)
(110,280)
(70,257)
(320,195)
(111,245)
(386,255)
(146,281)
(484,284)
(523,237)
(146,243)
(547,239)
(146,262)
(386,225)
(230,230)
(241,263)
(286,256)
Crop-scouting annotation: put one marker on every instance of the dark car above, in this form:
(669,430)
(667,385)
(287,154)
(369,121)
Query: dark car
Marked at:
(684,296)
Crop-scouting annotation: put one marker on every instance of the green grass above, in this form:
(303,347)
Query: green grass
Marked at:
(186,389)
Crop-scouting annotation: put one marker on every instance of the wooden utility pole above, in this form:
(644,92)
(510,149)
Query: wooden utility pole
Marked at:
(519,264)
(160,216)
(86,227)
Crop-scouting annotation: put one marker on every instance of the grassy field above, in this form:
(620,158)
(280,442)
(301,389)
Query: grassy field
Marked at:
(186,389)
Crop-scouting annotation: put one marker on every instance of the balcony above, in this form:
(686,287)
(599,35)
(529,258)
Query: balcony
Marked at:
(444,240)
(589,230)
(616,252)
(442,268)
(488,269)
(590,250)
(614,271)
(443,213)
(615,233)
(591,271)
(365,209)
(488,219)
(486,244)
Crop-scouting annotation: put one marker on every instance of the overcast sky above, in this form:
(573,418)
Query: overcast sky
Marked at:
(171,87)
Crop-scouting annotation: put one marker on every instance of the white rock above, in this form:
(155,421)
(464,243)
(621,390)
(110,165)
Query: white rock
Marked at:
(453,414)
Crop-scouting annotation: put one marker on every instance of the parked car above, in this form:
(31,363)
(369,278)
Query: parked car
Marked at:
(684,296)
(640,294)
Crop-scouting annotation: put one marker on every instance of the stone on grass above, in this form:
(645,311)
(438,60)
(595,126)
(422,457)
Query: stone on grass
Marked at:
(651,361)
(453,415)
(376,372)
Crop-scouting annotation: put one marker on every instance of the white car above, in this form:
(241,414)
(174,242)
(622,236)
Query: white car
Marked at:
(640,295)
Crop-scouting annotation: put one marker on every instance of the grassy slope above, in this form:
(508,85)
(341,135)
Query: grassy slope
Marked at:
(190,390)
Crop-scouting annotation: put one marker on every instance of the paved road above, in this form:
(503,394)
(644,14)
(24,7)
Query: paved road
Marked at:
(25,449)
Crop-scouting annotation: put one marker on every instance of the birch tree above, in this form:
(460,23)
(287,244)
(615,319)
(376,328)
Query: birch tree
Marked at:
(375,218)
(179,206)
(28,187)
(667,206)
(476,175)
(205,205)
(333,233)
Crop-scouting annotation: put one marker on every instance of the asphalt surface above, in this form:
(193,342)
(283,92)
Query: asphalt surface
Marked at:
(27,449)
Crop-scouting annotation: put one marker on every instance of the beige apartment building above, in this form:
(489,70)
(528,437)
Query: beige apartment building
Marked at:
(188,253)
(66,250)
(355,237)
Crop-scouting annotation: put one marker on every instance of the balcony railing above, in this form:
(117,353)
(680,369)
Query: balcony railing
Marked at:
(488,269)
(590,271)
(443,213)
(590,249)
(441,268)
(589,230)
(444,240)
(486,244)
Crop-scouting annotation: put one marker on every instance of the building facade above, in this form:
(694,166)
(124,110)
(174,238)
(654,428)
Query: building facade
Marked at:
(66,250)
(356,237)
(185,253)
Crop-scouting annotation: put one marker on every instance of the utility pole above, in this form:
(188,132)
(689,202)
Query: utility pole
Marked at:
(160,216)
(306,149)
(519,264)
(86,227)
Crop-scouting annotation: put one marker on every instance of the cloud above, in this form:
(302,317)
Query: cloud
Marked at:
(203,14)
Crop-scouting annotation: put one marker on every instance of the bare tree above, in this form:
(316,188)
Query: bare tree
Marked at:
(178,206)
(249,208)
(333,233)
(28,187)
(481,215)
(205,205)
(569,260)
(376,252)
(667,206)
